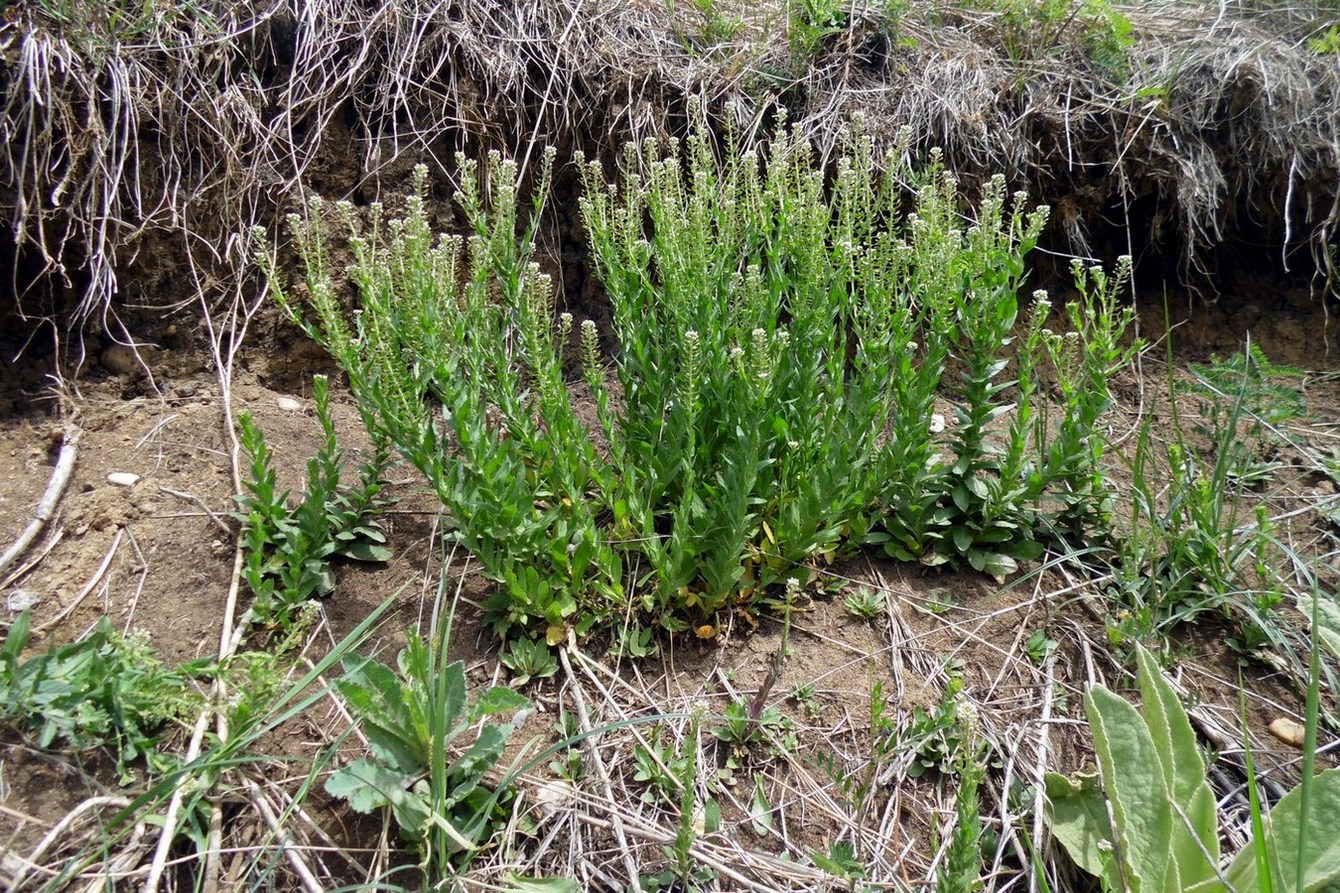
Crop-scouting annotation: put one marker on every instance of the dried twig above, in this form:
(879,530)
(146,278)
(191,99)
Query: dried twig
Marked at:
(60,476)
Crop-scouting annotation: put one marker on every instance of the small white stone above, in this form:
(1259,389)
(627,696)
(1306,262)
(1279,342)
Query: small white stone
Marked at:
(553,794)
(288,404)
(123,478)
(937,423)
(20,600)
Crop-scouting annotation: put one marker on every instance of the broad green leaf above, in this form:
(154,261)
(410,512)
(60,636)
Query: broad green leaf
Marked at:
(1184,775)
(365,551)
(997,565)
(1078,819)
(1328,621)
(760,810)
(367,785)
(499,699)
(482,754)
(1133,779)
(1320,842)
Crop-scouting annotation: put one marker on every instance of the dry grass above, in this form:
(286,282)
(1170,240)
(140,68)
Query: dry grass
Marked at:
(175,128)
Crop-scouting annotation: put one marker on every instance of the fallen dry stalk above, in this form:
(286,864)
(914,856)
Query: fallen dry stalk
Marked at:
(46,508)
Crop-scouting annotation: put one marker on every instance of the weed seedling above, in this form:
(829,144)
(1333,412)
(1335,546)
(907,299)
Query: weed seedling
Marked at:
(414,720)
(529,660)
(866,603)
(289,550)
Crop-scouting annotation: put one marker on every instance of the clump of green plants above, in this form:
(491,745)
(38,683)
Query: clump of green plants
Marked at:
(1030,29)
(430,747)
(718,26)
(811,22)
(289,550)
(1326,43)
(1194,543)
(961,870)
(866,603)
(683,774)
(1163,828)
(1241,402)
(105,690)
(529,660)
(780,347)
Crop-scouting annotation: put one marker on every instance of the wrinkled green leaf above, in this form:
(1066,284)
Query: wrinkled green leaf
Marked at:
(499,699)
(1184,774)
(1133,778)
(1320,842)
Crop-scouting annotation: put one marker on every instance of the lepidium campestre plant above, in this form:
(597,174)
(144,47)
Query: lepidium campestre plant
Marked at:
(781,338)
(1084,360)
(454,356)
(756,337)
(289,550)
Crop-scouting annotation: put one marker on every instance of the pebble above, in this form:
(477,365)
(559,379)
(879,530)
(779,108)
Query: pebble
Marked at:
(1288,731)
(288,404)
(120,360)
(937,423)
(551,795)
(20,600)
(123,478)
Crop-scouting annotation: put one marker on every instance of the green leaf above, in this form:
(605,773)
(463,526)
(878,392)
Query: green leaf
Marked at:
(1184,775)
(760,810)
(1133,779)
(1077,816)
(366,784)
(1320,845)
(515,884)
(499,699)
(365,551)
(996,564)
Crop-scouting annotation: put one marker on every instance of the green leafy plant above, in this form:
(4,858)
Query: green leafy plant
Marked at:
(718,25)
(1163,833)
(529,660)
(1326,43)
(806,697)
(961,871)
(1092,29)
(289,550)
(814,21)
(1084,359)
(105,690)
(459,366)
(1241,402)
(683,773)
(866,603)
(663,768)
(781,344)
(1039,646)
(935,736)
(1189,546)
(430,748)
(742,730)
(841,862)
